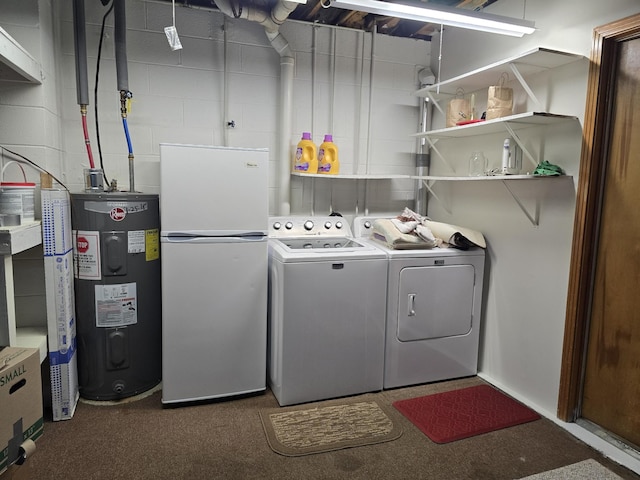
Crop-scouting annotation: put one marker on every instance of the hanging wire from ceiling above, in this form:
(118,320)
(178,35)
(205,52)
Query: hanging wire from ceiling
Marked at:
(95,90)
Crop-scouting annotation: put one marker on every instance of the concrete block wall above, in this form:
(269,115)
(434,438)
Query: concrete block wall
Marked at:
(179,96)
(29,113)
(29,125)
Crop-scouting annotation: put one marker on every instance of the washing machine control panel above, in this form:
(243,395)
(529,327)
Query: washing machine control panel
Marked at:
(299,226)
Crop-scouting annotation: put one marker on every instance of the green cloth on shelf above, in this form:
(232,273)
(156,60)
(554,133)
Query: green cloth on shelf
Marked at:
(546,168)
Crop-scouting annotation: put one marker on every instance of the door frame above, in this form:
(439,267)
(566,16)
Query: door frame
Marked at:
(606,40)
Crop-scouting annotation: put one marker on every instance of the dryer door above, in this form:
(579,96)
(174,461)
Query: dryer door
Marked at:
(435,302)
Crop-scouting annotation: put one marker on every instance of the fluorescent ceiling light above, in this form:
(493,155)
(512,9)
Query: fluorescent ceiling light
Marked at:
(471,20)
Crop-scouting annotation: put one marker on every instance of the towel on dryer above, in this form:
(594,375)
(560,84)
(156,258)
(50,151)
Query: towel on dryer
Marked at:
(386,231)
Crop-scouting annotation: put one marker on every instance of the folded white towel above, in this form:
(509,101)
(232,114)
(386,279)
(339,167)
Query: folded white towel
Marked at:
(405,227)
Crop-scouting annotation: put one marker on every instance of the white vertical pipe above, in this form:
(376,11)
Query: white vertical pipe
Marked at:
(314,65)
(286,109)
(374,30)
(358,129)
(225,94)
(332,91)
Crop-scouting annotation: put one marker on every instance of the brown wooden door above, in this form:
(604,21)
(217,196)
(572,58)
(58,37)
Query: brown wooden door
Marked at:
(600,376)
(611,394)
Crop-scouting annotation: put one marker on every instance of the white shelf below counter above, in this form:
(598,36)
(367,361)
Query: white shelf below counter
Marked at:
(20,237)
(33,337)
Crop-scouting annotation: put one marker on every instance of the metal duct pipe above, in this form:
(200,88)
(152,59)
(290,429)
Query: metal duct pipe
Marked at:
(120,39)
(423,152)
(80,47)
(271,22)
(423,157)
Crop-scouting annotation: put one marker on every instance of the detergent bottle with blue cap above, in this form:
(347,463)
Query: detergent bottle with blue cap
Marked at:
(306,160)
(328,157)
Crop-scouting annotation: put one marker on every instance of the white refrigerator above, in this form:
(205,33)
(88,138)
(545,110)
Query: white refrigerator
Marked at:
(213,239)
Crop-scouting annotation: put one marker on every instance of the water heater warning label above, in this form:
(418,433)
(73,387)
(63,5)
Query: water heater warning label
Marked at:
(152,242)
(116,305)
(86,253)
(135,241)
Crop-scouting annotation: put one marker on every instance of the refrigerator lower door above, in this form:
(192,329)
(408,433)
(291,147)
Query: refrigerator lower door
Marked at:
(214,319)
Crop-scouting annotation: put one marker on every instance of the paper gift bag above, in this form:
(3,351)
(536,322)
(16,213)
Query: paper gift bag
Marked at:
(458,109)
(499,99)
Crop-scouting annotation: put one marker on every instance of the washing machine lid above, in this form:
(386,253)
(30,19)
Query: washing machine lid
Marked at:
(317,249)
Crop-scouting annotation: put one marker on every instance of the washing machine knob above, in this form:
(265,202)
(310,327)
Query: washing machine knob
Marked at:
(288,225)
(367,224)
(338,225)
(308,225)
(327,225)
(277,226)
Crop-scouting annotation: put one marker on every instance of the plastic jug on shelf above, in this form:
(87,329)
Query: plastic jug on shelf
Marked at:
(306,160)
(328,157)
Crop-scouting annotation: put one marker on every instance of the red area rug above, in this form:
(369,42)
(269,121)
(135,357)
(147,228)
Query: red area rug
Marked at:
(449,416)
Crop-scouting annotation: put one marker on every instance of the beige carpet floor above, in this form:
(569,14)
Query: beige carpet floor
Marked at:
(225,440)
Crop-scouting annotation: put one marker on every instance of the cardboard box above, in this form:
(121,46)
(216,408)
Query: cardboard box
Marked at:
(21,399)
(61,319)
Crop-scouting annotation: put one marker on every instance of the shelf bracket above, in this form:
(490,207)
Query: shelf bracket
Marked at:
(436,103)
(526,86)
(435,196)
(534,219)
(520,143)
(432,145)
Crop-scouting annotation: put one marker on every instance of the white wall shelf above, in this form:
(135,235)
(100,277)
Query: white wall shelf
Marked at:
(523,65)
(510,125)
(498,125)
(534,217)
(14,240)
(350,176)
(16,64)
(484,178)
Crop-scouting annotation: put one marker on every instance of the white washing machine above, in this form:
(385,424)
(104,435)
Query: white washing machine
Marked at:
(434,300)
(327,303)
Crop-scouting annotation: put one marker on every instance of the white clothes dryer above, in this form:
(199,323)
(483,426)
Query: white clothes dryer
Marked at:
(327,302)
(434,304)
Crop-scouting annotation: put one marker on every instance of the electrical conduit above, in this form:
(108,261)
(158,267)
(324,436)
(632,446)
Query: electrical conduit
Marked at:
(271,22)
(82,83)
(120,42)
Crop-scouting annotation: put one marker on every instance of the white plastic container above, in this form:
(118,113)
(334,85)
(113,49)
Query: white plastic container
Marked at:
(18,198)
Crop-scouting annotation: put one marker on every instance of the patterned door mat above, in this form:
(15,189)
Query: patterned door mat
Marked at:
(305,429)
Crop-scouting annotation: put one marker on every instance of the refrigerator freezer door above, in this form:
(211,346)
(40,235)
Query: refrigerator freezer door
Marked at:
(214,302)
(213,189)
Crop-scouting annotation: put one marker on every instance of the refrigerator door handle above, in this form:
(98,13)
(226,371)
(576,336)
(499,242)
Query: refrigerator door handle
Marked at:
(188,238)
